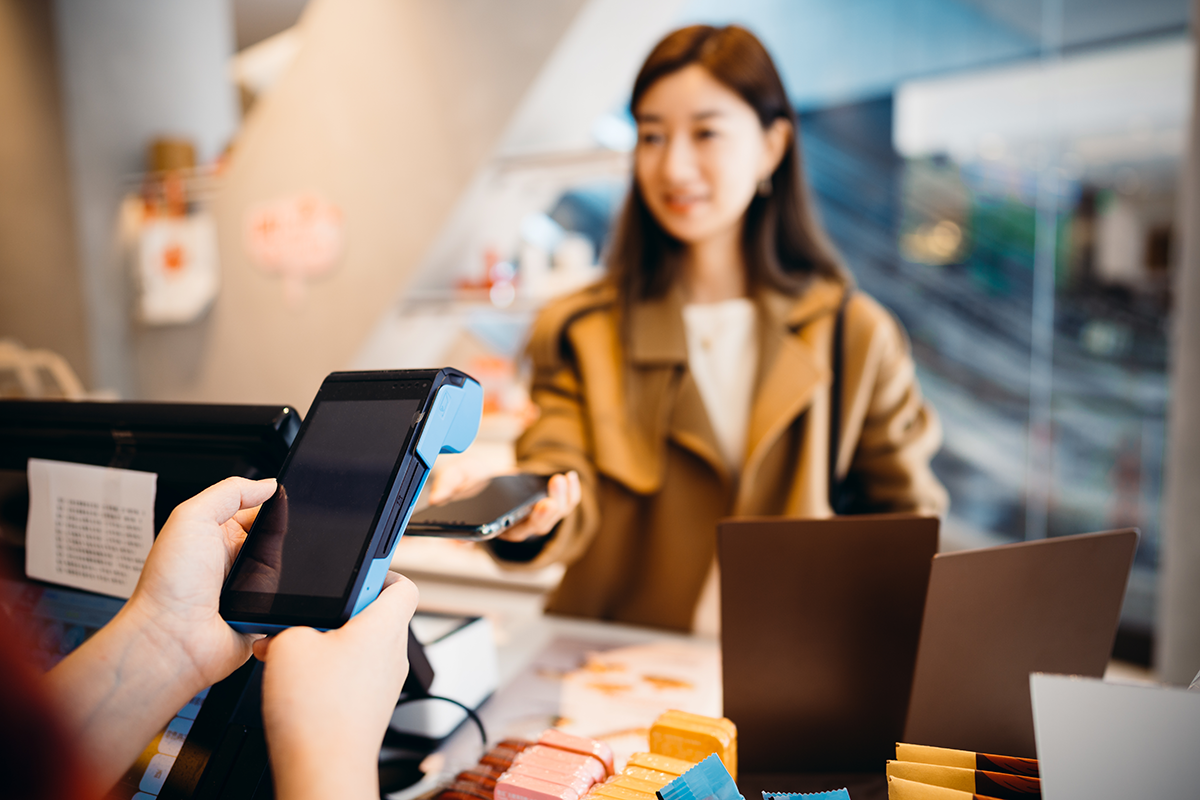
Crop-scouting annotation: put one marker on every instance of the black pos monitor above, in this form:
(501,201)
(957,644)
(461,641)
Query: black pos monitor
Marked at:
(190,446)
(216,741)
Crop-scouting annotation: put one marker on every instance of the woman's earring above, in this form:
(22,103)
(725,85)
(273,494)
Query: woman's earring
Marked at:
(765,187)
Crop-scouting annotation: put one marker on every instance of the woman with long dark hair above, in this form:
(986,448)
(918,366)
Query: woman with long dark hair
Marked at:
(696,381)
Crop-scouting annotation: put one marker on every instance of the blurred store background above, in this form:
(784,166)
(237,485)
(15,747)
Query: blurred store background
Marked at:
(224,200)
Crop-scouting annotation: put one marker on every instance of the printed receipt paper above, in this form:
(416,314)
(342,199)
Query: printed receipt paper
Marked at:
(89,527)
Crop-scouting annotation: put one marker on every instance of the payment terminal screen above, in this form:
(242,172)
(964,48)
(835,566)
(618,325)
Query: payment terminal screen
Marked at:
(309,535)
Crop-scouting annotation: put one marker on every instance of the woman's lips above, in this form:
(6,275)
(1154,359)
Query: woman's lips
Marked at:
(682,204)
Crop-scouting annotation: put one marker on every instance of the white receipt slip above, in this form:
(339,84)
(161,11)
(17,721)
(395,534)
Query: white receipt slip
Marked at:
(89,527)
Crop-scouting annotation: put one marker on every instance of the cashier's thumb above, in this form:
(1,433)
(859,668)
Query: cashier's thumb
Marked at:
(260,647)
(391,611)
(219,502)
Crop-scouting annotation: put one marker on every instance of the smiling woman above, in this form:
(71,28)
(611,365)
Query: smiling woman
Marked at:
(714,120)
(701,157)
(694,383)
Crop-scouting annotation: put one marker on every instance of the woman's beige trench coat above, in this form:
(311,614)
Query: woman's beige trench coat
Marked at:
(622,410)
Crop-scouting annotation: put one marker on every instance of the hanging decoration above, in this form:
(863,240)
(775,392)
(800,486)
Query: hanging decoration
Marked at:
(298,237)
(177,268)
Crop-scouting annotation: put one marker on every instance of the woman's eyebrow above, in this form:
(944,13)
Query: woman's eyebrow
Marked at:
(699,115)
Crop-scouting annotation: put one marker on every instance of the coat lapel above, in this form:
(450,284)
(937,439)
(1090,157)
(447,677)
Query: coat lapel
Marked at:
(658,342)
(793,365)
(791,368)
(629,404)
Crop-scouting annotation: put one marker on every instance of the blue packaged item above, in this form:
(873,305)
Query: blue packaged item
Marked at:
(708,779)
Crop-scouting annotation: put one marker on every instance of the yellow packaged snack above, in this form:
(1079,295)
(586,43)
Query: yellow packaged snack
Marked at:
(608,791)
(694,737)
(656,761)
(660,779)
(629,782)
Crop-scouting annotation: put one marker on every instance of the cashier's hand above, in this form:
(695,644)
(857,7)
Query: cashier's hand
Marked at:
(177,596)
(563,495)
(120,687)
(328,697)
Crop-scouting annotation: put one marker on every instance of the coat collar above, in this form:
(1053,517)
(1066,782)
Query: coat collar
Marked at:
(822,297)
(658,341)
(792,365)
(657,335)
(789,369)
(656,332)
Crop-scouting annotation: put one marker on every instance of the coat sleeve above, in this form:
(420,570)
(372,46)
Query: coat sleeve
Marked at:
(558,441)
(900,430)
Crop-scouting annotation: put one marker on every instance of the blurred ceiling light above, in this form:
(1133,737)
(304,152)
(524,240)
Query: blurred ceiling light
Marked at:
(502,294)
(614,132)
(260,66)
(935,244)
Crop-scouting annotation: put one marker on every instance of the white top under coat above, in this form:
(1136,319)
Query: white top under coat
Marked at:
(722,345)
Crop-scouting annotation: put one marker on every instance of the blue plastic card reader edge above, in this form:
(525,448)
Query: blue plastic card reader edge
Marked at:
(449,426)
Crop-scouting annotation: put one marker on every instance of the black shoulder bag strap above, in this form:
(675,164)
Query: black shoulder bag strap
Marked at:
(836,499)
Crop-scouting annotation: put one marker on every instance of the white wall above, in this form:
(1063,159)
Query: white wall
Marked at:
(132,70)
(590,72)
(388,111)
(548,142)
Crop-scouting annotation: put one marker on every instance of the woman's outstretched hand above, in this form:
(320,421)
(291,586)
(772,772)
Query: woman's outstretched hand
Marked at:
(563,495)
(463,477)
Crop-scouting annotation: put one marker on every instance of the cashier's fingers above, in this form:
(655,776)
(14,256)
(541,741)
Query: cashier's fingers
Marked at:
(390,612)
(222,501)
(246,517)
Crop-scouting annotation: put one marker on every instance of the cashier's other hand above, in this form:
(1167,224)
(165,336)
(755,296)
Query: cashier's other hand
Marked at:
(176,601)
(563,495)
(328,697)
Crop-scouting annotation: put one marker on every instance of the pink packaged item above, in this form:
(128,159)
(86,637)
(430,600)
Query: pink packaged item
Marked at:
(553,758)
(523,787)
(579,744)
(579,783)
